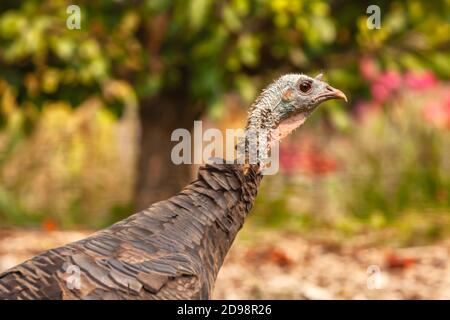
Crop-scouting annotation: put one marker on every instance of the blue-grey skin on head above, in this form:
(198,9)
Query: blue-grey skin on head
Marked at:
(290,95)
(281,108)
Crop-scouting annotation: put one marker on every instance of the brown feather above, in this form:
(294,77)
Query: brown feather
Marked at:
(172,250)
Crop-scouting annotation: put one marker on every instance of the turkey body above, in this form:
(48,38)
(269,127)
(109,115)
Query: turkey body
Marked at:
(172,250)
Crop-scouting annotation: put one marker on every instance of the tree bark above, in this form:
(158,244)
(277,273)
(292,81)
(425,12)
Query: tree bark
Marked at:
(157,178)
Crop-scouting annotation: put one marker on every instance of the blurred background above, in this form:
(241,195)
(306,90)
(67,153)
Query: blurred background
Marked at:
(86,117)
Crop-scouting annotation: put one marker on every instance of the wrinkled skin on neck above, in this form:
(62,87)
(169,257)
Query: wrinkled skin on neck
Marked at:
(266,120)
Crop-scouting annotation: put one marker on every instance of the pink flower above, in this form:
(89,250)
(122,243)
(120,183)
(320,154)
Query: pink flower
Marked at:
(368,68)
(306,158)
(288,158)
(438,113)
(385,85)
(380,92)
(420,80)
(391,79)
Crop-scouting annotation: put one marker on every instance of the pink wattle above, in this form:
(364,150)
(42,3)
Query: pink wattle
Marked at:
(287,126)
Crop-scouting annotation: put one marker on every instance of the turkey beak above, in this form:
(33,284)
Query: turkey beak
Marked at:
(333,93)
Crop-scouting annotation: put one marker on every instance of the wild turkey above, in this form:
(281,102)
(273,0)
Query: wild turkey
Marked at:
(175,248)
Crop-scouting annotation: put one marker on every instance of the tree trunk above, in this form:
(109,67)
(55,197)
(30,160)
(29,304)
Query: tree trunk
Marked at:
(157,178)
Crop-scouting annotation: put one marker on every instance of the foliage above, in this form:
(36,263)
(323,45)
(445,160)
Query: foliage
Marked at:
(389,168)
(76,168)
(201,50)
(208,47)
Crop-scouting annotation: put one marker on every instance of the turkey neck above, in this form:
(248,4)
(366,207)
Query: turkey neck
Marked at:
(225,193)
(230,189)
(260,131)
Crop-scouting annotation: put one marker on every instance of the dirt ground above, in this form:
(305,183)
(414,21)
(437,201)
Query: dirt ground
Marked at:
(286,266)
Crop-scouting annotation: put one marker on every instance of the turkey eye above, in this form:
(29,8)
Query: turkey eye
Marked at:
(305,86)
